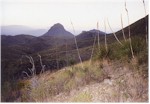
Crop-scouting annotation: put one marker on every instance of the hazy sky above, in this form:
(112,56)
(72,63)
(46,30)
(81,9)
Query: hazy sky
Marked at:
(83,13)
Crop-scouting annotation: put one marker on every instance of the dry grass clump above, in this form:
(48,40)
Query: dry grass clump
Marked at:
(47,86)
(127,83)
(82,97)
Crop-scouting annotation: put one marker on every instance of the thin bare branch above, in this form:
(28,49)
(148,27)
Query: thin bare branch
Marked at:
(92,49)
(114,33)
(23,72)
(129,31)
(123,29)
(30,71)
(57,56)
(57,53)
(43,66)
(144,7)
(66,55)
(77,46)
(33,65)
(98,37)
(145,21)
(106,47)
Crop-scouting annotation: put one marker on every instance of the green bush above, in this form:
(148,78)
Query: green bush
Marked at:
(123,52)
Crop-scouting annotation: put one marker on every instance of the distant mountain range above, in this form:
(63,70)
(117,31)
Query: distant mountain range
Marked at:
(19,29)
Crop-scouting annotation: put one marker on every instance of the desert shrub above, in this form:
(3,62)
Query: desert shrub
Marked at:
(115,52)
(40,88)
(140,50)
(138,45)
(121,52)
(95,73)
(103,53)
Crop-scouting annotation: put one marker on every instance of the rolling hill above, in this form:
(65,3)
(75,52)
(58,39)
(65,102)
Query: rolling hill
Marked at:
(53,47)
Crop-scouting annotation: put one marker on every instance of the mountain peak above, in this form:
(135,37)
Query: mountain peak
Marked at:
(58,25)
(58,30)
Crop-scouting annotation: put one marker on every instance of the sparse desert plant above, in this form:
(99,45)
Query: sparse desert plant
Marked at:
(70,85)
(98,43)
(145,22)
(114,33)
(32,70)
(57,57)
(96,74)
(77,46)
(82,97)
(103,53)
(122,28)
(92,50)
(129,31)
(106,47)
(67,63)
(42,66)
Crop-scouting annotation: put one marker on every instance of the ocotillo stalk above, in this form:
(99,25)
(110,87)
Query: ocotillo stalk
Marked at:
(145,21)
(123,29)
(66,55)
(92,49)
(77,45)
(129,32)
(98,37)
(105,37)
(57,57)
(114,33)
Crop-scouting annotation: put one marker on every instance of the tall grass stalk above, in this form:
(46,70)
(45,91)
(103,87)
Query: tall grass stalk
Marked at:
(98,37)
(123,29)
(57,57)
(145,21)
(114,33)
(130,41)
(106,47)
(92,50)
(77,46)
(66,54)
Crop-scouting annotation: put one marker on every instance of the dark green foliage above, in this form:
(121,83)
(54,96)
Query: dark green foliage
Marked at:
(123,52)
